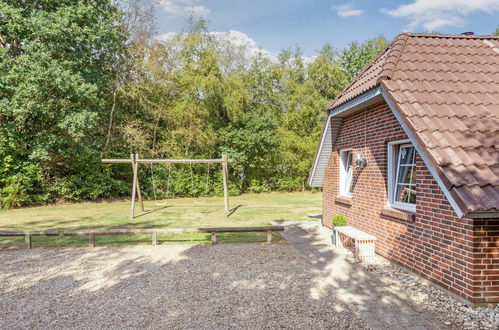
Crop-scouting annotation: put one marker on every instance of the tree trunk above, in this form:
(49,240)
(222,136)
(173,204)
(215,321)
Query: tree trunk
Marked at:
(111,114)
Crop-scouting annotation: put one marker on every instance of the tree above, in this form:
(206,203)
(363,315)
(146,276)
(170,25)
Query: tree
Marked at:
(326,73)
(89,78)
(139,22)
(496,32)
(58,62)
(357,56)
(252,144)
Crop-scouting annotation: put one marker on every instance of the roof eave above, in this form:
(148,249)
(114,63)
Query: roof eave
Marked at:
(361,101)
(483,215)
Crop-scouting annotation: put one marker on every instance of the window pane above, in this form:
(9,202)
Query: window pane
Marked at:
(407,175)
(349,159)
(411,198)
(406,155)
(405,183)
(413,175)
(349,181)
(349,176)
(403,194)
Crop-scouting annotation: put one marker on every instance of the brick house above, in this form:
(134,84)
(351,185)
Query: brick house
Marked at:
(410,154)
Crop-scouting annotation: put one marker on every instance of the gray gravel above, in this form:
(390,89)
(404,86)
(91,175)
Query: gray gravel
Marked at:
(168,286)
(451,311)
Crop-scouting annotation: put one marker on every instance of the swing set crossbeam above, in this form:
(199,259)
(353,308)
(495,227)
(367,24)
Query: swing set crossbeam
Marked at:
(134,160)
(170,161)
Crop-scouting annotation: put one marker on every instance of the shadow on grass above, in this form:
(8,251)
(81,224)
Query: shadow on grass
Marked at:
(233,210)
(146,212)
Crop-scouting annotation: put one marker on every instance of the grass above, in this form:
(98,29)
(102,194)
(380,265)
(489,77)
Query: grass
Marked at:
(247,210)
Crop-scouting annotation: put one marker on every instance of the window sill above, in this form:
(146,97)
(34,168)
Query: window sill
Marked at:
(344,200)
(399,214)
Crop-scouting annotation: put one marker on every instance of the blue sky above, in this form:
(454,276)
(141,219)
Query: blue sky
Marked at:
(279,24)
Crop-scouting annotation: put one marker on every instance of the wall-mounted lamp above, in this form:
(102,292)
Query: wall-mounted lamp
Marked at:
(360,162)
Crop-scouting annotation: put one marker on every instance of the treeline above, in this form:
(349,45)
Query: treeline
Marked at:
(82,80)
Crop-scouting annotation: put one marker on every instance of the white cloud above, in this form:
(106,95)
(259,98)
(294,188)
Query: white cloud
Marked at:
(183,8)
(199,11)
(237,40)
(240,43)
(435,14)
(347,10)
(249,46)
(242,40)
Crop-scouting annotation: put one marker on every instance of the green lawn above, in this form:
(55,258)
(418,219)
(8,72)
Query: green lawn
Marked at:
(247,210)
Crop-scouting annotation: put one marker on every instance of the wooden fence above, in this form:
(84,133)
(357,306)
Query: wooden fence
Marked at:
(91,233)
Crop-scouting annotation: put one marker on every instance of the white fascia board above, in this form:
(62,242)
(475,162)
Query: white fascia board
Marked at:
(427,162)
(356,101)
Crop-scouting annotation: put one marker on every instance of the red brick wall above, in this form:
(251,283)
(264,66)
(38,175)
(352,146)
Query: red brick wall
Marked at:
(486,270)
(435,244)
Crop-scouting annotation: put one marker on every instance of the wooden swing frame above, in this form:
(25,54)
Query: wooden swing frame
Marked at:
(135,161)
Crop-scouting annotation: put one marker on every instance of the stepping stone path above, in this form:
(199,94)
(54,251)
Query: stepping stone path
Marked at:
(382,307)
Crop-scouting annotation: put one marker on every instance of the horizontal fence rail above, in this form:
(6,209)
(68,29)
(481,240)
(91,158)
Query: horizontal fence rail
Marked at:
(91,233)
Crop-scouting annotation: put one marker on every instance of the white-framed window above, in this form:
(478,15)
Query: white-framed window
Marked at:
(402,175)
(346,172)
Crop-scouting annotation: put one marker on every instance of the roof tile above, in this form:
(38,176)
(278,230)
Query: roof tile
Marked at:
(448,89)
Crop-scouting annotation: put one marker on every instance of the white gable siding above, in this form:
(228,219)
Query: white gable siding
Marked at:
(326,147)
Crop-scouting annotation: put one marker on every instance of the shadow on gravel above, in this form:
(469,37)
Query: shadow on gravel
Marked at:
(380,305)
(255,285)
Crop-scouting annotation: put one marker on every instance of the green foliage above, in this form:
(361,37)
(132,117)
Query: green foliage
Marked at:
(496,32)
(88,184)
(79,80)
(252,144)
(58,60)
(339,220)
(357,55)
(23,187)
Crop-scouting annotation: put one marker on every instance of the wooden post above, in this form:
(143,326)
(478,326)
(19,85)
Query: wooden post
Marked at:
(139,193)
(269,236)
(27,241)
(91,240)
(225,172)
(213,237)
(154,238)
(134,187)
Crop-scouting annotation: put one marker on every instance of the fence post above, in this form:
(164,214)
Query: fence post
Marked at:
(91,240)
(27,241)
(269,236)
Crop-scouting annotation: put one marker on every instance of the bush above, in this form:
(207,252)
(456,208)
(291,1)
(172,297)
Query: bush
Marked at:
(339,220)
(26,187)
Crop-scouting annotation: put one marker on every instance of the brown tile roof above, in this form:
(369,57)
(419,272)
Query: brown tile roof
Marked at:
(446,90)
(382,65)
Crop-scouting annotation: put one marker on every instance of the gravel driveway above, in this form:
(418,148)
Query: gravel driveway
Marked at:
(167,286)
